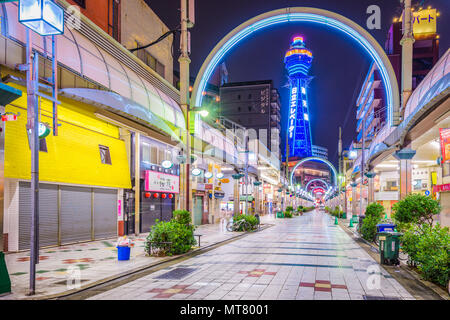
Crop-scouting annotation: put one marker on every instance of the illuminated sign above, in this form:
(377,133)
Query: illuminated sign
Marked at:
(293,111)
(161,182)
(424,21)
(444,134)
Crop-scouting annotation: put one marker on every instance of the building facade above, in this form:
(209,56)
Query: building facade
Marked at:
(254,105)
(119,120)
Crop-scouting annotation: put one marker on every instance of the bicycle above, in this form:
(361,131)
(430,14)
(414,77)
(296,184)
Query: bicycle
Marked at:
(240,225)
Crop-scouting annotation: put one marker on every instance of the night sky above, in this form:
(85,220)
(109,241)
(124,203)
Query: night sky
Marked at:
(339,64)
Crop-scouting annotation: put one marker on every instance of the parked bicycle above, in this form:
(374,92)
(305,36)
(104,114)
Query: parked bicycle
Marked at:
(240,225)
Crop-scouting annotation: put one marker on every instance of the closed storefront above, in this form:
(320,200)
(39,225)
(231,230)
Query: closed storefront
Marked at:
(68,214)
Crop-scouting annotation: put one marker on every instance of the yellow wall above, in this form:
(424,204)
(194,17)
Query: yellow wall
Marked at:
(73,156)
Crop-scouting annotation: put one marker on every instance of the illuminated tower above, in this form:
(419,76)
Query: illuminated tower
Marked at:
(298,61)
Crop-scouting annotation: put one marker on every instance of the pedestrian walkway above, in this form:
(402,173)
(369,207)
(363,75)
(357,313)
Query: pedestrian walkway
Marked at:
(93,261)
(302,258)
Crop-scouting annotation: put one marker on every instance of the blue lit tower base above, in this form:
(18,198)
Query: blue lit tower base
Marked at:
(298,61)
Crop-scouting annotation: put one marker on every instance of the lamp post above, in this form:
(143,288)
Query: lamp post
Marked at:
(46,18)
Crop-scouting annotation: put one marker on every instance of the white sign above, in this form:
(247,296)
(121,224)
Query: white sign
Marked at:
(161,182)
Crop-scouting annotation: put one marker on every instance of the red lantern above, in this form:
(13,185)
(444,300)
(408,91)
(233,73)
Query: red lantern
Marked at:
(163,196)
(170,196)
(155,195)
(148,194)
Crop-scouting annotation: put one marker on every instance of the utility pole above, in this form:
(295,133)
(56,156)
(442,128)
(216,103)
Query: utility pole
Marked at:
(340,166)
(363,147)
(407,42)
(246,171)
(187,21)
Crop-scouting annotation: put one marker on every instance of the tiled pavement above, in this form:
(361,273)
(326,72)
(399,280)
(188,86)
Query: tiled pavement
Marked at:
(96,260)
(301,258)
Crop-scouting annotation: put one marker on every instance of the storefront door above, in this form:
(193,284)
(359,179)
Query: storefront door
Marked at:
(198,210)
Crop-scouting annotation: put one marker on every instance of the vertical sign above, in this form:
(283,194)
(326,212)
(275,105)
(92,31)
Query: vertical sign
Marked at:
(444,134)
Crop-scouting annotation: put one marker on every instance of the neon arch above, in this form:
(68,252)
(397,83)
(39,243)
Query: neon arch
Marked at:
(328,163)
(303,14)
(313,180)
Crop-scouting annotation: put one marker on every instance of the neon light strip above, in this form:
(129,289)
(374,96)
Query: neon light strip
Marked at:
(297,17)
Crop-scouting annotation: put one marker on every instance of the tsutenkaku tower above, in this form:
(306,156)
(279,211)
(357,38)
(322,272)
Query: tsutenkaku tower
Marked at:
(297,62)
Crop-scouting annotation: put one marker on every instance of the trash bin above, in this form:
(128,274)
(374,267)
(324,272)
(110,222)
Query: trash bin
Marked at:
(389,243)
(123,253)
(386,227)
(5,282)
(280,214)
(344,215)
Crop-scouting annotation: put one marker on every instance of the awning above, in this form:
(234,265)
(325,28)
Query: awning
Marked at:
(8,94)
(115,103)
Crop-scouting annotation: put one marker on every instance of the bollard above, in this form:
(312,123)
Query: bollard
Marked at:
(351,223)
(336,221)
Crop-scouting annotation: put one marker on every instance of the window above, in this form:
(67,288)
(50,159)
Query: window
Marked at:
(146,152)
(81,3)
(149,60)
(105,156)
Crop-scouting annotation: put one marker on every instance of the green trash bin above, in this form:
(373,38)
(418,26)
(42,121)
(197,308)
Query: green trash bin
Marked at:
(280,214)
(5,282)
(389,243)
(344,215)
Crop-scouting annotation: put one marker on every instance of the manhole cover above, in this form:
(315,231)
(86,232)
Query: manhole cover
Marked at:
(177,273)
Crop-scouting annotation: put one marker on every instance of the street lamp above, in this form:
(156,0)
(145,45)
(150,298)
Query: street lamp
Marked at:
(47,19)
(42,16)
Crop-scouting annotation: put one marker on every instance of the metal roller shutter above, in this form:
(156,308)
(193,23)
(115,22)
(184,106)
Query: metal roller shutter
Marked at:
(105,213)
(48,215)
(75,214)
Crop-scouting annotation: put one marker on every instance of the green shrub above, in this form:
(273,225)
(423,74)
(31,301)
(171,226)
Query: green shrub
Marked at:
(178,231)
(374,210)
(290,208)
(300,209)
(374,213)
(288,214)
(416,208)
(182,216)
(429,248)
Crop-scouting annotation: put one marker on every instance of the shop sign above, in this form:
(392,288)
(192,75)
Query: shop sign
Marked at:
(161,182)
(200,187)
(208,186)
(441,188)
(119,209)
(444,134)
(424,21)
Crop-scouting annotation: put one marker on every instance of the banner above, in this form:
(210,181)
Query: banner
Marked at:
(444,134)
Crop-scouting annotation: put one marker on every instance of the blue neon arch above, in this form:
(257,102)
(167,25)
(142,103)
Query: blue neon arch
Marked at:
(314,180)
(303,14)
(328,163)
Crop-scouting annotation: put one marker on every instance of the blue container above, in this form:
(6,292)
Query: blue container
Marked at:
(386,227)
(123,253)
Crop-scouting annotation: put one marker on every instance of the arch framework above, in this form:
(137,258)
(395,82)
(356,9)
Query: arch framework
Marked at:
(303,14)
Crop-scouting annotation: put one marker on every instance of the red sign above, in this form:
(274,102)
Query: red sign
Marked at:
(208,186)
(441,187)
(445,143)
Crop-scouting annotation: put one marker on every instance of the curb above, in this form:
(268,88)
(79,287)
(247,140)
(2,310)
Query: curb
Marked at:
(142,268)
(439,291)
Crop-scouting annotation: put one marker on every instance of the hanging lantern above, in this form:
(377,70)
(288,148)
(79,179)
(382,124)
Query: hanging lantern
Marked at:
(155,195)
(164,196)
(170,196)
(148,194)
